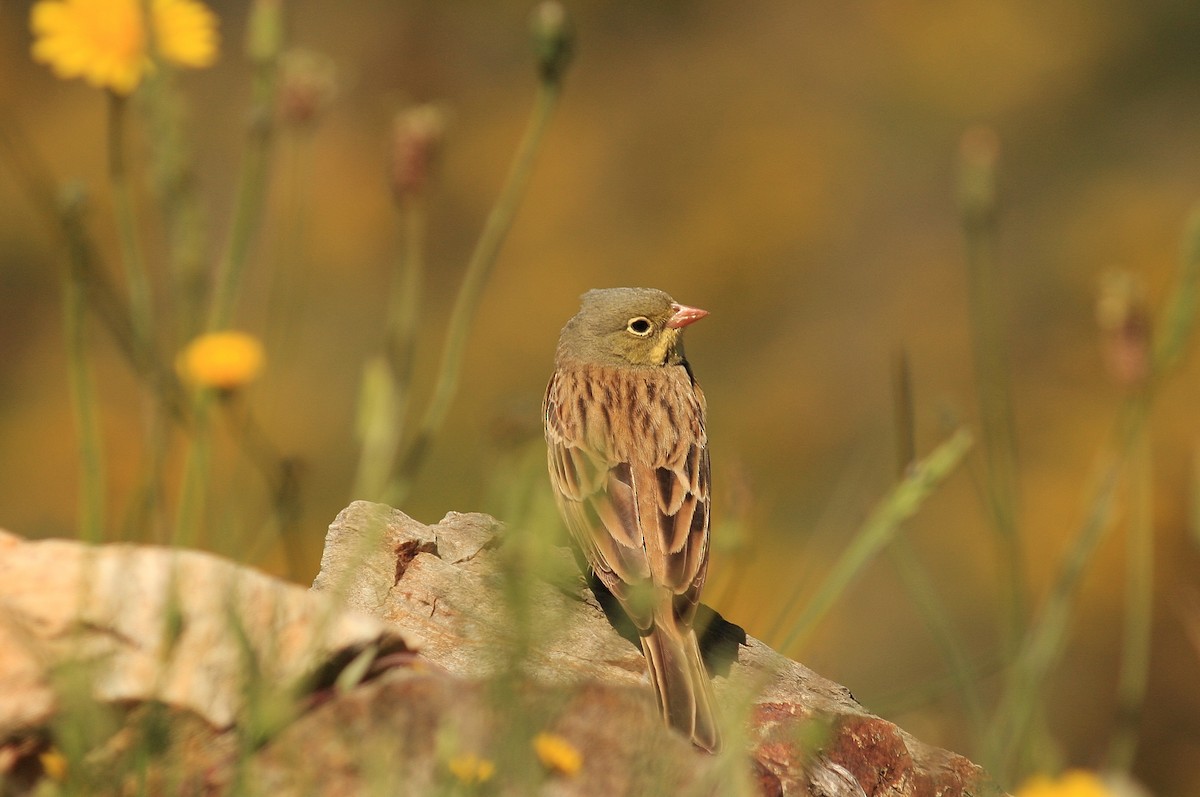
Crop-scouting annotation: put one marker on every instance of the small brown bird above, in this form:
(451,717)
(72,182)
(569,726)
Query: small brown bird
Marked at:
(628,456)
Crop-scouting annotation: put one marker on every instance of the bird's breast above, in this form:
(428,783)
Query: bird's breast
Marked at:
(635,415)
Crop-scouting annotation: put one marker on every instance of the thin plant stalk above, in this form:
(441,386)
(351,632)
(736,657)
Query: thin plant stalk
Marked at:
(479,270)
(250,196)
(83,402)
(913,575)
(290,266)
(404,316)
(148,507)
(279,473)
(999,444)
(196,473)
(1046,637)
(898,506)
(920,588)
(173,169)
(387,381)
(140,295)
(1139,611)
(840,496)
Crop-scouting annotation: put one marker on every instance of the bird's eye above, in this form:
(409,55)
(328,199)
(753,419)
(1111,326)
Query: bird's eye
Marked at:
(639,326)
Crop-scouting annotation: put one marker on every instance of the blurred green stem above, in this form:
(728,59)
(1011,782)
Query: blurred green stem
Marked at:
(1044,642)
(194,489)
(916,579)
(479,269)
(404,314)
(977,197)
(83,396)
(1139,610)
(148,507)
(251,192)
(386,388)
(173,170)
(289,268)
(140,301)
(898,506)
(279,473)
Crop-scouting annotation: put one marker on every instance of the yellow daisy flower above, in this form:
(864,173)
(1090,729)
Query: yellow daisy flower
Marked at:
(104,41)
(1073,783)
(470,769)
(54,764)
(557,754)
(221,360)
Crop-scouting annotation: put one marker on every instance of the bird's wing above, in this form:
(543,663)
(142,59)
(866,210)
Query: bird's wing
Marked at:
(641,524)
(673,506)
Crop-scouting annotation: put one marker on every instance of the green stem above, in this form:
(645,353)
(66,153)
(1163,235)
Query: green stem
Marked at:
(479,269)
(999,434)
(1046,637)
(916,579)
(173,169)
(149,507)
(280,474)
(920,587)
(83,404)
(898,506)
(248,204)
(977,197)
(1139,611)
(194,490)
(404,316)
(290,267)
(387,382)
(140,301)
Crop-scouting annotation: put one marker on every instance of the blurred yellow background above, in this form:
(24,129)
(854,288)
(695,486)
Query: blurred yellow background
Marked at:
(789,167)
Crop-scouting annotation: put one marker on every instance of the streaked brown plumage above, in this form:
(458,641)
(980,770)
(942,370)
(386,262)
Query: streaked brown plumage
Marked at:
(628,457)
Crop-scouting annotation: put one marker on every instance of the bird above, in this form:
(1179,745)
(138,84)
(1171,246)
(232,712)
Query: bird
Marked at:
(628,457)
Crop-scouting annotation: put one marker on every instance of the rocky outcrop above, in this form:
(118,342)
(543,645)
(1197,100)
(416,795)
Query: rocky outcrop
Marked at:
(458,655)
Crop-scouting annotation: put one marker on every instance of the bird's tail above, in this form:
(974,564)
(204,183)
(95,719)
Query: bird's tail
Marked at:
(681,683)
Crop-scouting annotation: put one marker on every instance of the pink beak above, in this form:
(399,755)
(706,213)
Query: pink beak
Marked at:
(684,315)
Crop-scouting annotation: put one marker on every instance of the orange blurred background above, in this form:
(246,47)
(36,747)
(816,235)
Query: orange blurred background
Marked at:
(789,167)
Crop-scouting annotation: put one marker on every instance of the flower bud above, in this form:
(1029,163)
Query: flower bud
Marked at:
(978,152)
(308,83)
(416,143)
(1125,327)
(553,40)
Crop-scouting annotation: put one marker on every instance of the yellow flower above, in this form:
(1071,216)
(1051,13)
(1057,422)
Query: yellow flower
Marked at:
(185,32)
(471,768)
(1073,783)
(104,41)
(557,754)
(222,360)
(54,764)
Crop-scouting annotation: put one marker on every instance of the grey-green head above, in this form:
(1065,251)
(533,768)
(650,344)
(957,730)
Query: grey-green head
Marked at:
(626,326)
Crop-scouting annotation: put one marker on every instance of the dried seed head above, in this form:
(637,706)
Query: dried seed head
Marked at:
(1124,320)
(416,143)
(553,40)
(978,152)
(308,83)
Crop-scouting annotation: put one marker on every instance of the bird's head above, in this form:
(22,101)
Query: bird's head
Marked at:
(627,326)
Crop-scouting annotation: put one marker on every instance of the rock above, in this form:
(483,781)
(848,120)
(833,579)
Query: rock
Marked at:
(154,624)
(426,659)
(446,583)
